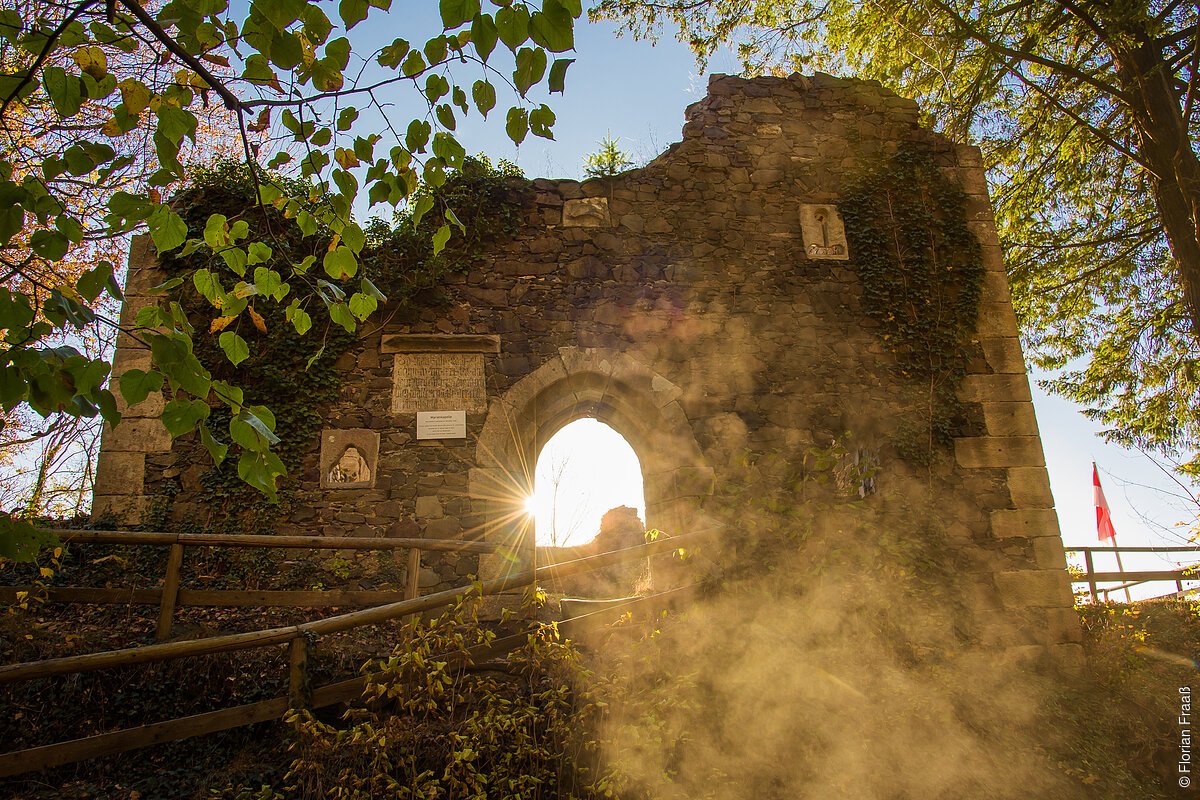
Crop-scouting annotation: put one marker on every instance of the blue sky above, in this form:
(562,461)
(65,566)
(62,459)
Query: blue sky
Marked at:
(637,93)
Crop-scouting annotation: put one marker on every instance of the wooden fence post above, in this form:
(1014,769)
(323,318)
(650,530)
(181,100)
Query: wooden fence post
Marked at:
(412,578)
(170,592)
(412,586)
(1091,570)
(299,689)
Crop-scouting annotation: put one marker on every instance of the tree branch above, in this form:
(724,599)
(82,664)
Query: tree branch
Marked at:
(47,49)
(216,84)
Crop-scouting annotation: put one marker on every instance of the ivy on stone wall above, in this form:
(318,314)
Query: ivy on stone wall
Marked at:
(922,273)
(288,365)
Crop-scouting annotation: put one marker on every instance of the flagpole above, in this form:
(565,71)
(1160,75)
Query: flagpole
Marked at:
(1105,528)
(1121,568)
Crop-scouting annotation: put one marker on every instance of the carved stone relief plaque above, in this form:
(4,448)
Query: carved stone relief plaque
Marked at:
(349,458)
(438,382)
(824,233)
(586,212)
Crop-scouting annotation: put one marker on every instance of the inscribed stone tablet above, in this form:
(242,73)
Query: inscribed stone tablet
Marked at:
(435,381)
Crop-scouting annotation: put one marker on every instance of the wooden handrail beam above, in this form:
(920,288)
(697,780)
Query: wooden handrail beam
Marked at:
(1139,577)
(273,636)
(1123,549)
(259,540)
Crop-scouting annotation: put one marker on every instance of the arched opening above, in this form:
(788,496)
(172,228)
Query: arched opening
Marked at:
(585,469)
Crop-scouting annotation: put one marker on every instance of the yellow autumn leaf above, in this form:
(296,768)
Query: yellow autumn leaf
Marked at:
(92,61)
(46,572)
(307,51)
(345,158)
(334,242)
(112,128)
(135,95)
(220,323)
(257,319)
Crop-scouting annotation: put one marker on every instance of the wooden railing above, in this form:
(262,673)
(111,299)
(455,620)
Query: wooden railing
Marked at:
(171,595)
(1127,579)
(297,638)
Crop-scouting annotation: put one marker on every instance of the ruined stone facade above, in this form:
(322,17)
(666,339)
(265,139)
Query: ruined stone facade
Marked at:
(708,308)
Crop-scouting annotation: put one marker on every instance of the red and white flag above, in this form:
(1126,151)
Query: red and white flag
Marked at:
(1104,526)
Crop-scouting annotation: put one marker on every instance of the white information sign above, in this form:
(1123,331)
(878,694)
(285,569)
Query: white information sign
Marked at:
(441,424)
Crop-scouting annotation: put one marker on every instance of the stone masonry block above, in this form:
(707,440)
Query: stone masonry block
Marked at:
(994,388)
(1048,553)
(992,255)
(1028,523)
(996,319)
(1003,354)
(981,452)
(429,507)
(126,509)
(137,436)
(1043,588)
(127,358)
(587,212)
(1010,419)
(1063,626)
(144,272)
(1030,487)
(120,473)
(994,288)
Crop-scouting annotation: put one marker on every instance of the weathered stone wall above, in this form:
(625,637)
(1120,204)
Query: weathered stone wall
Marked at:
(681,304)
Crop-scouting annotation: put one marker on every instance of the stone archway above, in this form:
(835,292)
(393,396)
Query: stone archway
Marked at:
(613,388)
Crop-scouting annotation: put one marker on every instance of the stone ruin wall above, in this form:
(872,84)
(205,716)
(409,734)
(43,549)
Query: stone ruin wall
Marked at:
(678,304)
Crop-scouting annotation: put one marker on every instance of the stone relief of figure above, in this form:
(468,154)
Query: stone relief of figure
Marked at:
(350,468)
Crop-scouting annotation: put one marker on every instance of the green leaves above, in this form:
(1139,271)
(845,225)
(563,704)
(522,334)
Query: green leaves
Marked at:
(50,245)
(456,13)
(531,66)
(484,95)
(181,416)
(558,74)
(352,12)
(65,90)
(484,35)
(393,54)
(516,124)
(541,120)
(20,540)
(136,385)
(553,26)
(512,25)
(440,238)
(235,347)
(167,229)
(363,305)
(340,263)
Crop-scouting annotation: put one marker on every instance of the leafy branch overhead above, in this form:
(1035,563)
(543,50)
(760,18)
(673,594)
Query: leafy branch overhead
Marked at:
(305,104)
